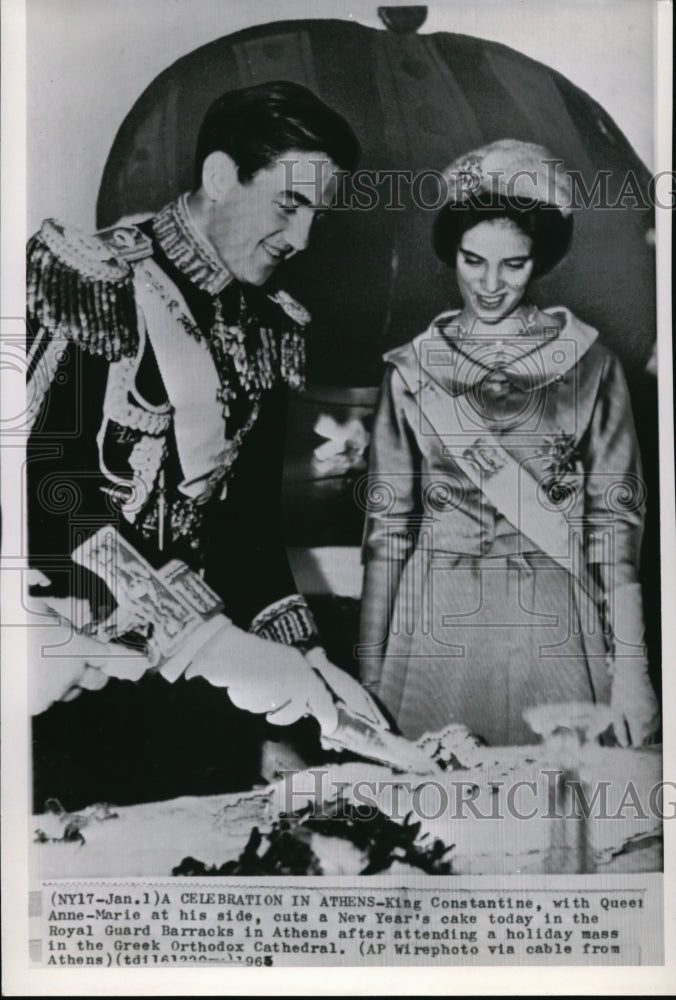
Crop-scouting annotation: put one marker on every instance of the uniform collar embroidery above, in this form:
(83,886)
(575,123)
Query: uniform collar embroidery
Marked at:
(188,249)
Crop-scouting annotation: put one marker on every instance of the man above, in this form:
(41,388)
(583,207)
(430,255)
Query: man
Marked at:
(159,365)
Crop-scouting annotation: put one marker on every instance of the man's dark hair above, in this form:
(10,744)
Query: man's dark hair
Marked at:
(549,230)
(256,125)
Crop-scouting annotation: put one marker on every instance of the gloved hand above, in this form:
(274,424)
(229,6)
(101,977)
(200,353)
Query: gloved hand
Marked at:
(264,677)
(63,662)
(636,713)
(633,703)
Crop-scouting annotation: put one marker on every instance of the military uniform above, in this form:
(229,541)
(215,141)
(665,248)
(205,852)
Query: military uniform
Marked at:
(157,396)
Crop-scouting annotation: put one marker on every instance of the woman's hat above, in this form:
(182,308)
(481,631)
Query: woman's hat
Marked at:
(520,171)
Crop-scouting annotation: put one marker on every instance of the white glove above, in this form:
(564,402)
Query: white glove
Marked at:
(636,712)
(264,677)
(635,709)
(63,662)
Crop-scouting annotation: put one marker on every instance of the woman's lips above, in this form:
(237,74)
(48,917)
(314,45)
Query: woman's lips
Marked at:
(490,302)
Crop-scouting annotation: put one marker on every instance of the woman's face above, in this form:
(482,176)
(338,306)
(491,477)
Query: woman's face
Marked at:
(494,266)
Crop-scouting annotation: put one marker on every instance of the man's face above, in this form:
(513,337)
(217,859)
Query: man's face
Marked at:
(257,225)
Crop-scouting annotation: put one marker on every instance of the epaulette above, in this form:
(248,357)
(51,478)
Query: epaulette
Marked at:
(80,286)
(294,310)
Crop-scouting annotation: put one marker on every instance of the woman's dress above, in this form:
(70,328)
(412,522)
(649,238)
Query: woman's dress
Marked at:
(465,616)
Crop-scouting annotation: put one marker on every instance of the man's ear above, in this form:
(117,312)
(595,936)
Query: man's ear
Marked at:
(219,174)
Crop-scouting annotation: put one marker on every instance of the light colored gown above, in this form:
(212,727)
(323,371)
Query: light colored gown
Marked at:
(464,617)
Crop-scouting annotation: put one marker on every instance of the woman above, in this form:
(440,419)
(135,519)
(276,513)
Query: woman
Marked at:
(504,500)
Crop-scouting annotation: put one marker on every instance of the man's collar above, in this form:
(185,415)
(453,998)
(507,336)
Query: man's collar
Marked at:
(188,249)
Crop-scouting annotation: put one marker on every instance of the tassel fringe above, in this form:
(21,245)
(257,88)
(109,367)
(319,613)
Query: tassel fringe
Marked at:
(77,291)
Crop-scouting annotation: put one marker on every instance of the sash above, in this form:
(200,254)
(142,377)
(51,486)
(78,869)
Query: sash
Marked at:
(189,375)
(508,486)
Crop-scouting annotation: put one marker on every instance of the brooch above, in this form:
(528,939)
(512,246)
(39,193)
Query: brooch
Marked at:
(559,453)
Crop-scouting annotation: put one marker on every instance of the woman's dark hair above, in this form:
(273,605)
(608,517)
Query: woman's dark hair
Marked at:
(549,230)
(256,125)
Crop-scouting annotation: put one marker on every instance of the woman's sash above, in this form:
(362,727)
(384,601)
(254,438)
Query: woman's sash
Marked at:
(490,464)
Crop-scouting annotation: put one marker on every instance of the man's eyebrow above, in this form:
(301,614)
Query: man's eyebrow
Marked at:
(297,197)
